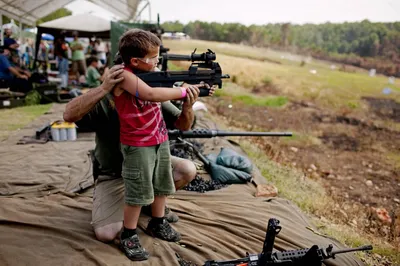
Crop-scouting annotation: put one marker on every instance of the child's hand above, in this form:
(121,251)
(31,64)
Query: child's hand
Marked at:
(193,92)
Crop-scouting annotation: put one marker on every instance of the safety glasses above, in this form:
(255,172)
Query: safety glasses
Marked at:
(149,60)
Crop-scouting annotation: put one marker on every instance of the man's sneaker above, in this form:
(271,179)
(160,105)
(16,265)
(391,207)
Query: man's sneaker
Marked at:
(132,248)
(163,231)
(169,214)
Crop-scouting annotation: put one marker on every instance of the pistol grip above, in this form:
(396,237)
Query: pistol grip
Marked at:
(204,92)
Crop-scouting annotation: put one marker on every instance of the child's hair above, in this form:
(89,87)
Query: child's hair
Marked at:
(91,60)
(137,43)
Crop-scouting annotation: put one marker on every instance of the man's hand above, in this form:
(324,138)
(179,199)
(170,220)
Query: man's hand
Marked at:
(212,90)
(112,77)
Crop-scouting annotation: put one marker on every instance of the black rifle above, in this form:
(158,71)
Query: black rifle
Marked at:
(179,136)
(203,69)
(313,256)
(211,133)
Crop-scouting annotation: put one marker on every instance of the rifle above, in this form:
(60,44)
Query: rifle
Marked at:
(211,133)
(180,135)
(313,256)
(203,69)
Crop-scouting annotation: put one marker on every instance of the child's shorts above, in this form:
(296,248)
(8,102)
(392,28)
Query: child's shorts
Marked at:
(147,172)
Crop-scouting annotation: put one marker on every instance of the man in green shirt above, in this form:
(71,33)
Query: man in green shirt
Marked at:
(96,110)
(78,57)
(93,77)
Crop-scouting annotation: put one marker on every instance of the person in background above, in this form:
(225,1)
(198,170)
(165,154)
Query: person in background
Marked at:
(10,42)
(93,76)
(78,57)
(101,51)
(11,75)
(61,55)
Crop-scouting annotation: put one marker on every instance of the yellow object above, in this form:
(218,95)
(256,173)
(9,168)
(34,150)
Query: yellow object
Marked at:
(63,125)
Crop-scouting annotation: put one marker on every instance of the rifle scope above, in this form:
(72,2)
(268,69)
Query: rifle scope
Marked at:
(205,57)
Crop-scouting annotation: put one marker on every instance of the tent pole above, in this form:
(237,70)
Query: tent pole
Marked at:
(2,30)
(149,12)
(20,31)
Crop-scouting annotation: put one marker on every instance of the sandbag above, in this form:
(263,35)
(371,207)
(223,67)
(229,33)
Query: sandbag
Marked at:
(229,167)
(232,159)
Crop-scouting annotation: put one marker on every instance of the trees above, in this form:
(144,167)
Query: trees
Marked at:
(363,38)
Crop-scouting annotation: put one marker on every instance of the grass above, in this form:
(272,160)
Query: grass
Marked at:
(15,118)
(236,94)
(351,238)
(329,88)
(300,139)
(394,158)
(310,196)
(307,194)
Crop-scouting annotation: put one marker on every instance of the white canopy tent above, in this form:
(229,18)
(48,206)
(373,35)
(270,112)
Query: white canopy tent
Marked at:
(81,22)
(29,11)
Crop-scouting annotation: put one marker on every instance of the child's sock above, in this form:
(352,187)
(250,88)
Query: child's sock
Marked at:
(128,233)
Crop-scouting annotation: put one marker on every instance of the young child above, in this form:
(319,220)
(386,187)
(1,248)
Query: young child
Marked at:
(144,141)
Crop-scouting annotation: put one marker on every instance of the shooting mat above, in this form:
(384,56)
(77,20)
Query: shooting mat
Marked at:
(41,224)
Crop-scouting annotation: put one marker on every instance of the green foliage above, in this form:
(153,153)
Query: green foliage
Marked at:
(267,81)
(33,98)
(59,13)
(349,43)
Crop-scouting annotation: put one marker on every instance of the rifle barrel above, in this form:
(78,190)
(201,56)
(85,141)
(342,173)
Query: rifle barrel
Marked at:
(206,133)
(256,134)
(362,248)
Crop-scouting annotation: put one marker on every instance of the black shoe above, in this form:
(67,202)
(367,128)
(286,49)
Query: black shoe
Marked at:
(169,214)
(163,231)
(132,248)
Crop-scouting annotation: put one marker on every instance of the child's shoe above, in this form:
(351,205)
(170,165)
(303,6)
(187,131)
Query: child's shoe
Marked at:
(160,228)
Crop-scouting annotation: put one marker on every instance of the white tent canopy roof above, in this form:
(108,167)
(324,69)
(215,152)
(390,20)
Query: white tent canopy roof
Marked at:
(81,22)
(29,11)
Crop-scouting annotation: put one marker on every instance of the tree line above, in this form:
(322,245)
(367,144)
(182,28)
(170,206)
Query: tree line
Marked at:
(363,44)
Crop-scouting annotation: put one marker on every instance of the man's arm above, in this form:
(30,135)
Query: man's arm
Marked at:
(81,105)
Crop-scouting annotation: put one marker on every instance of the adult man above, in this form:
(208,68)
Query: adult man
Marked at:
(78,57)
(8,41)
(12,76)
(61,54)
(95,110)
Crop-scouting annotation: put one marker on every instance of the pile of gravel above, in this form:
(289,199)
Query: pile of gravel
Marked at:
(184,151)
(200,185)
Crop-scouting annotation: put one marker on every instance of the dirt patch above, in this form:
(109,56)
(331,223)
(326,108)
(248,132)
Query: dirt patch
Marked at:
(349,154)
(384,108)
(340,142)
(266,89)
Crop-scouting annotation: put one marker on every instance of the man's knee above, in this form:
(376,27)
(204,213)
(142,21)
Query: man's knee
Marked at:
(108,232)
(183,170)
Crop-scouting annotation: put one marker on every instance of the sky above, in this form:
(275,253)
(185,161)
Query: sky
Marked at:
(260,11)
